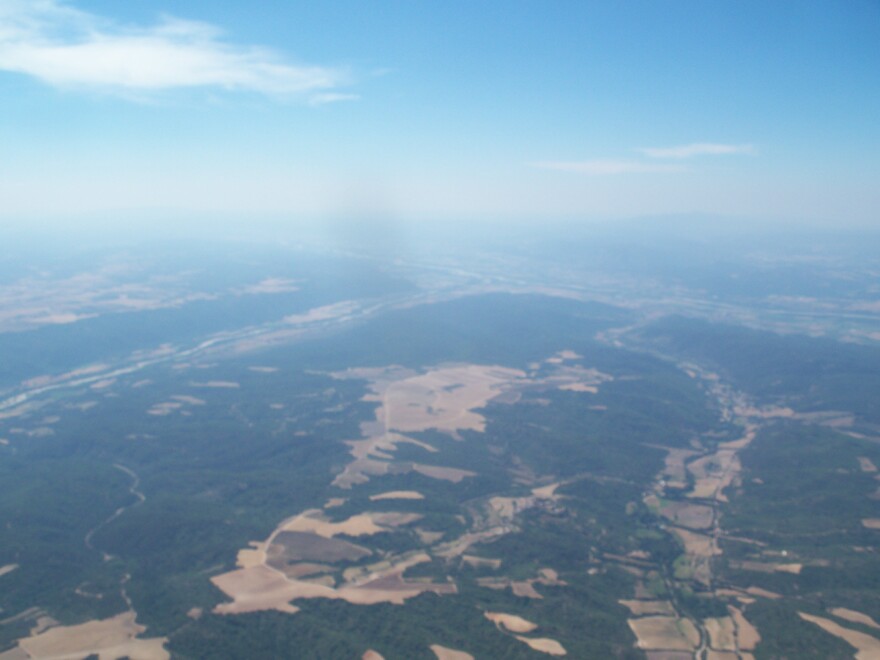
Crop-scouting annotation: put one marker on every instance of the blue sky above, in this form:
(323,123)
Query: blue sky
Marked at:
(460,110)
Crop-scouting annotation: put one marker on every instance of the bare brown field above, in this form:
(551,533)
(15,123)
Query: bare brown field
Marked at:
(714,473)
(854,617)
(543,645)
(398,495)
(290,547)
(722,633)
(699,549)
(510,622)
(665,633)
(110,638)
(370,654)
(712,654)
(674,471)
(747,636)
(444,653)
(871,523)
(868,647)
(644,607)
(695,516)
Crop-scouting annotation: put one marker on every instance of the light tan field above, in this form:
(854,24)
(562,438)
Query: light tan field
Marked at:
(543,645)
(398,495)
(455,475)
(108,639)
(445,399)
(361,524)
(263,370)
(525,589)
(665,633)
(546,492)
(442,399)
(866,464)
(334,502)
(714,473)
(868,647)
(371,457)
(510,622)
(428,537)
(674,470)
(722,633)
(444,653)
(643,607)
(855,617)
(370,654)
(699,549)
(481,562)
(7,569)
(764,567)
(15,653)
(712,654)
(871,523)
(747,636)
(262,588)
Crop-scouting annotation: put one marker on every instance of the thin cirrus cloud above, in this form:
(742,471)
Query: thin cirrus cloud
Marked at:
(697,149)
(69,48)
(599,167)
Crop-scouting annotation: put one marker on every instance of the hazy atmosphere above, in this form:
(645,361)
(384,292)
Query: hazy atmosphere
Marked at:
(439,330)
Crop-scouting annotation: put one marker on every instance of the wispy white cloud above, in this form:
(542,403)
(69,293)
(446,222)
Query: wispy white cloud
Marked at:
(697,149)
(66,47)
(323,98)
(600,167)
